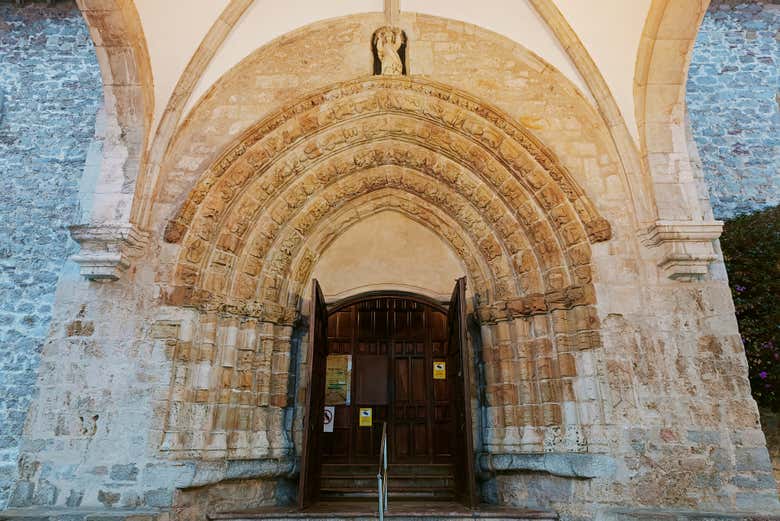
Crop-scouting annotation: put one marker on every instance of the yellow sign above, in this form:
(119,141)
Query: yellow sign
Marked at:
(439,370)
(365,417)
(338,375)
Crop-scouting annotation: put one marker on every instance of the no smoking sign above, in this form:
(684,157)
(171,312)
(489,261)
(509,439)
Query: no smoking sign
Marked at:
(328,418)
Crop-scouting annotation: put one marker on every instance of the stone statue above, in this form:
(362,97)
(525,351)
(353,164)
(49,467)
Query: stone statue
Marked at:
(387,42)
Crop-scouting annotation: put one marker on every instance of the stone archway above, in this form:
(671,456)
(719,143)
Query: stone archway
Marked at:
(253,227)
(128,94)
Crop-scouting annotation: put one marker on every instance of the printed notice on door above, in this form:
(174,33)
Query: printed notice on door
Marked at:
(439,370)
(365,417)
(338,376)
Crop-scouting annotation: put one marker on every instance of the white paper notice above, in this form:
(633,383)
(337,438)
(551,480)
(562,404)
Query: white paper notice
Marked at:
(328,418)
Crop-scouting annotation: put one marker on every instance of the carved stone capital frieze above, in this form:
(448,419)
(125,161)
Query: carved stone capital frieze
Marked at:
(685,249)
(537,304)
(208,302)
(107,249)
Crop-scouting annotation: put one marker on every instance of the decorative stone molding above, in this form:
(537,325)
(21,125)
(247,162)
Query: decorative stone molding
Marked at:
(447,111)
(208,302)
(686,248)
(211,473)
(106,250)
(537,304)
(569,465)
(247,227)
(253,226)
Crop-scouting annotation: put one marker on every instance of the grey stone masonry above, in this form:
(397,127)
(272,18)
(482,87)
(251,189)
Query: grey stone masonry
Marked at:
(733,92)
(50,90)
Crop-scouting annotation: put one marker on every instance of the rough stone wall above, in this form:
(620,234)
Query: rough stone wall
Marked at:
(733,95)
(770,421)
(50,89)
(733,88)
(671,361)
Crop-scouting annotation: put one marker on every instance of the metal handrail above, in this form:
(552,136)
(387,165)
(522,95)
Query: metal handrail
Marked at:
(381,476)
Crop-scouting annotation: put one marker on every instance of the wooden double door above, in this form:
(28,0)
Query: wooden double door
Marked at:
(408,368)
(393,343)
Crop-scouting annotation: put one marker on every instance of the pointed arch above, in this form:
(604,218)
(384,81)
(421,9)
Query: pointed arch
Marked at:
(128,92)
(661,114)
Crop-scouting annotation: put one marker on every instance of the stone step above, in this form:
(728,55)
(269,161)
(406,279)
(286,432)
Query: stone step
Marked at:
(409,494)
(406,511)
(345,482)
(394,516)
(398,470)
(394,482)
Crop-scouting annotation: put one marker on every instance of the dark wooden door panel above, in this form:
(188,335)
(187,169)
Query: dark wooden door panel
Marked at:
(402,384)
(371,386)
(393,342)
(419,392)
(458,367)
(309,484)
(367,440)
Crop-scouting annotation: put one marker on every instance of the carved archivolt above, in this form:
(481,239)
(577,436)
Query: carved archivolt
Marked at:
(256,223)
(486,243)
(251,212)
(406,204)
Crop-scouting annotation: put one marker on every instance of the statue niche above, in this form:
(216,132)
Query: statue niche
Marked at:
(389,45)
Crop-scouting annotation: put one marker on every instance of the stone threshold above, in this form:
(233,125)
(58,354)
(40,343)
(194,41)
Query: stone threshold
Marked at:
(80,514)
(687,515)
(400,511)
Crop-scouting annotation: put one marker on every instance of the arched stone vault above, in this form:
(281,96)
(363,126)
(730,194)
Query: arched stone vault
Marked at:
(659,88)
(682,237)
(252,228)
(128,93)
(209,368)
(174,109)
(668,201)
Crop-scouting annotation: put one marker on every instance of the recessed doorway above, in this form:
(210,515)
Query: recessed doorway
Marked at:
(393,364)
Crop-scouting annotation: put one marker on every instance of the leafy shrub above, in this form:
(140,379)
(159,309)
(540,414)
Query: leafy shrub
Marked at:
(751,249)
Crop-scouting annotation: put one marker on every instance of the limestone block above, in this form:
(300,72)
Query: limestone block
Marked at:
(685,249)
(106,249)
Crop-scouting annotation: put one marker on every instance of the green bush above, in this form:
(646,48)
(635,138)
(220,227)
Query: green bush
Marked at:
(751,249)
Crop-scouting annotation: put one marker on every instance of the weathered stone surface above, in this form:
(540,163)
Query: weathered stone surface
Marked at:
(51,88)
(732,100)
(263,468)
(601,382)
(109,499)
(74,499)
(161,497)
(565,465)
(770,423)
(45,494)
(22,494)
(127,472)
(754,458)
(62,514)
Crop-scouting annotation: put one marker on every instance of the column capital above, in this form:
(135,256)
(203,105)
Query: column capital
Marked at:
(685,248)
(107,249)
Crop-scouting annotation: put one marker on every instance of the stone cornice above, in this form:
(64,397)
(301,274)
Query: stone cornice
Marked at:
(107,249)
(685,248)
